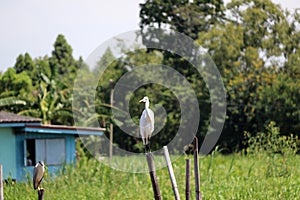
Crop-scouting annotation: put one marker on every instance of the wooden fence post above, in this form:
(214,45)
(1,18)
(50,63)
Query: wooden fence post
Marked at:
(41,194)
(152,172)
(111,127)
(187,179)
(196,169)
(171,173)
(1,183)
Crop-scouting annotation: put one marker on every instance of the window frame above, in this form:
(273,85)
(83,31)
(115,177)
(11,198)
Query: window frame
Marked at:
(46,155)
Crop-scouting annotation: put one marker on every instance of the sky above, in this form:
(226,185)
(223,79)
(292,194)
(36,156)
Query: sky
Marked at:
(33,25)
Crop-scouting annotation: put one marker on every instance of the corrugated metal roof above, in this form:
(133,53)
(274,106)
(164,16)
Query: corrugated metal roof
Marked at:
(7,117)
(31,124)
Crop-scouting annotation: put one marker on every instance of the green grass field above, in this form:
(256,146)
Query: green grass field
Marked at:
(222,177)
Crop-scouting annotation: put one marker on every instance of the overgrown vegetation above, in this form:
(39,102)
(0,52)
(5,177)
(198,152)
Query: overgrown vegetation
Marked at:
(266,169)
(222,177)
(271,142)
(276,149)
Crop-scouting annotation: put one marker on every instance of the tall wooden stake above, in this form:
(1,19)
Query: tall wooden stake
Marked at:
(1,183)
(152,172)
(111,131)
(41,194)
(187,179)
(171,173)
(196,169)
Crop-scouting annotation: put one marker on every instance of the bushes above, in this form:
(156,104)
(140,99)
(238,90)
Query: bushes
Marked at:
(271,141)
(276,149)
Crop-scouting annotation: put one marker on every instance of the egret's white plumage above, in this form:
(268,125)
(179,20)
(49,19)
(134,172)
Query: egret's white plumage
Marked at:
(146,122)
(38,174)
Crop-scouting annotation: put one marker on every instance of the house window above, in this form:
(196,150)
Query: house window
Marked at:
(51,151)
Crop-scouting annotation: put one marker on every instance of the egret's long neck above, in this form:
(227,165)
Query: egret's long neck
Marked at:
(147,105)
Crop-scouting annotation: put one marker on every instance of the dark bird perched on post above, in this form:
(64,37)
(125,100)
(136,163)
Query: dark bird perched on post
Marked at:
(38,174)
(146,123)
(189,149)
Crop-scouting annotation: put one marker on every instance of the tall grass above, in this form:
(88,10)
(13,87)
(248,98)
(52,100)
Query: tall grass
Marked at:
(222,177)
(269,169)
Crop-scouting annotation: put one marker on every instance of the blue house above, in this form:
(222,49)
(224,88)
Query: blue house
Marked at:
(25,141)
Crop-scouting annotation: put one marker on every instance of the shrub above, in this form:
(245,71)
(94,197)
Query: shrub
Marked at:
(275,148)
(271,141)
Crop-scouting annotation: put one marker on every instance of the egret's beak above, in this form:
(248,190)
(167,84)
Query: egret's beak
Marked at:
(142,100)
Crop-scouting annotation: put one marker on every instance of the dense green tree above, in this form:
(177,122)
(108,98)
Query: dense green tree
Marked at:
(255,47)
(13,84)
(252,52)
(279,101)
(63,65)
(184,16)
(24,63)
(108,69)
(14,90)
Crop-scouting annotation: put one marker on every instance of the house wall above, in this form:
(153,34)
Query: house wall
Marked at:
(25,172)
(8,152)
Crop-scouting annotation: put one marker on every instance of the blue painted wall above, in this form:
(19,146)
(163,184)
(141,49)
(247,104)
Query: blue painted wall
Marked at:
(8,152)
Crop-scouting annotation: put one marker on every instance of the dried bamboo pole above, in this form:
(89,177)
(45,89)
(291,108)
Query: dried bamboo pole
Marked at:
(196,169)
(152,172)
(187,179)
(111,127)
(171,173)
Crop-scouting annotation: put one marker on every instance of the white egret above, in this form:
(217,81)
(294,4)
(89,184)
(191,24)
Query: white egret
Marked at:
(146,123)
(38,174)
